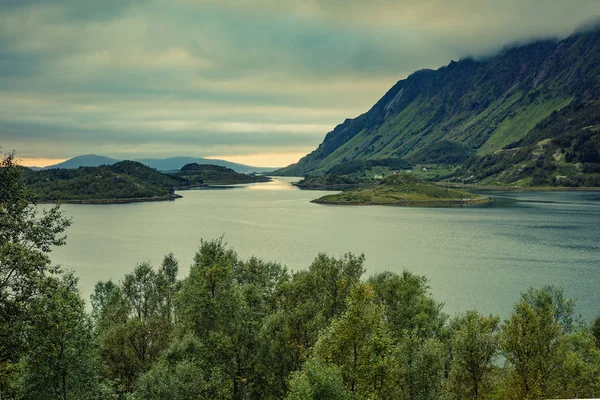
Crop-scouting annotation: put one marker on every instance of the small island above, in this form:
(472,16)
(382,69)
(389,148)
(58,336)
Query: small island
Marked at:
(404,190)
(196,175)
(126,182)
(328,182)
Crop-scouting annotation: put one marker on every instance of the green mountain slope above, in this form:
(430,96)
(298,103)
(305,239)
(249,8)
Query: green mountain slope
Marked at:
(563,150)
(468,109)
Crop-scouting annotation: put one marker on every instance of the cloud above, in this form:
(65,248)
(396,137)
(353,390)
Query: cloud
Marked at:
(82,10)
(266,76)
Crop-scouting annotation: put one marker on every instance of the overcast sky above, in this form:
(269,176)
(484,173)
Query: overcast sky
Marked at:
(255,81)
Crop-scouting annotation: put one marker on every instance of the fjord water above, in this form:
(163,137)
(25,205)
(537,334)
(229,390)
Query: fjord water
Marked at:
(476,257)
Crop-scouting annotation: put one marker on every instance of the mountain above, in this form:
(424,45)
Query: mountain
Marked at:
(176,163)
(88,160)
(486,116)
(161,164)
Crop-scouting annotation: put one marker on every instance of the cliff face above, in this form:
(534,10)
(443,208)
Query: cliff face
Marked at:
(469,109)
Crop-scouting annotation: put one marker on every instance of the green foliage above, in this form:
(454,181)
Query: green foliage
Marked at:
(327,181)
(355,166)
(474,347)
(62,361)
(182,374)
(224,302)
(360,345)
(596,330)
(545,351)
(409,307)
(26,238)
(305,305)
(443,152)
(424,362)
(317,381)
(560,151)
(195,174)
(134,321)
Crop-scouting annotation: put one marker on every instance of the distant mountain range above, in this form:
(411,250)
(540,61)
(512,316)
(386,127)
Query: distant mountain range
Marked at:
(176,163)
(161,164)
(527,116)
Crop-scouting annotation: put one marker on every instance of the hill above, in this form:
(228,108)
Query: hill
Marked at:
(193,174)
(176,163)
(403,190)
(328,182)
(469,111)
(127,181)
(121,182)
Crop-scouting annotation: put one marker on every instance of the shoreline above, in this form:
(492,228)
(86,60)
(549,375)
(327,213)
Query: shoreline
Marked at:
(171,197)
(426,203)
(335,187)
(465,186)
(518,188)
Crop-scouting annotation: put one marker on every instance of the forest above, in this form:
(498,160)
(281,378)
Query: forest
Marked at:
(232,328)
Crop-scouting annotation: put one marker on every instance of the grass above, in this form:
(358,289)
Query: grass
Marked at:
(513,129)
(403,190)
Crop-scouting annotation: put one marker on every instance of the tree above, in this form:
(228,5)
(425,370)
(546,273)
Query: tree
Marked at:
(313,297)
(318,381)
(26,238)
(168,283)
(105,299)
(209,307)
(580,369)
(596,330)
(474,346)
(207,300)
(423,362)
(183,374)
(133,322)
(360,345)
(533,342)
(409,306)
(224,303)
(306,304)
(62,361)
(278,356)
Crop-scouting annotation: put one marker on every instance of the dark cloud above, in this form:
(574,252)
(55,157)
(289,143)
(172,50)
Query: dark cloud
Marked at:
(231,75)
(84,10)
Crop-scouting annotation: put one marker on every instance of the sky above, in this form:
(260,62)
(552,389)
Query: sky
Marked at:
(254,81)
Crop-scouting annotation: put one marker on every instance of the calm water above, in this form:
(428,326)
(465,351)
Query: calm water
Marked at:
(479,257)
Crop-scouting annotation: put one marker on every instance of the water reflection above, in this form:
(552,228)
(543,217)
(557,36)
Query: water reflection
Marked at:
(278,183)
